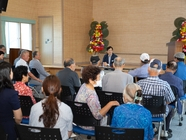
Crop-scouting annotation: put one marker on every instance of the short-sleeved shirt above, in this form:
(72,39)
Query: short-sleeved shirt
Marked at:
(140,72)
(24,90)
(22,62)
(64,122)
(133,116)
(181,70)
(9,101)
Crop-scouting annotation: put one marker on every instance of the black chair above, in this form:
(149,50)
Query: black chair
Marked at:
(156,105)
(34,72)
(82,116)
(136,79)
(107,96)
(38,133)
(26,104)
(3,135)
(111,133)
(76,89)
(65,94)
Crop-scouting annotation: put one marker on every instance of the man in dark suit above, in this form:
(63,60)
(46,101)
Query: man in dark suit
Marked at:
(108,58)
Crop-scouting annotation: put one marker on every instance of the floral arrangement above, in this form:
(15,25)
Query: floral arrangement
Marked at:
(97,34)
(180,33)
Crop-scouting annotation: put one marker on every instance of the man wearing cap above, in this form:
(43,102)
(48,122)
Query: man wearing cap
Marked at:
(142,71)
(116,80)
(152,85)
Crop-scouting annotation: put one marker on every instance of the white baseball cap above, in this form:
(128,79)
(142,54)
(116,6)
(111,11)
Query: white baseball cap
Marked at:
(144,56)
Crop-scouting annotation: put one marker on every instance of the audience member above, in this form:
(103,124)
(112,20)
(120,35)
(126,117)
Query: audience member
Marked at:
(68,76)
(87,94)
(1,56)
(21,77)
(95,60)
(19,55)
(36,64)
(181,70)
(132,114)
(10,111)
(51,112)
(3,48)
(23,61)
(152,85)
(141,72)
(108,58)
(117,80)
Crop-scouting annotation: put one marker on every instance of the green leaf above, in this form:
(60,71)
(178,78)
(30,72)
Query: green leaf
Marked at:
(176,32)
(178,21)
(104,24)
(91,32)
(93,24)
(105,32)
(174,38)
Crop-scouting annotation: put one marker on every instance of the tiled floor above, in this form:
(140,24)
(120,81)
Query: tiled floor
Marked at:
(179,132)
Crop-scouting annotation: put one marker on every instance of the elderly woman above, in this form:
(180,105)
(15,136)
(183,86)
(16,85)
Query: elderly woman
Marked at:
(87,94)
(132,114)
(21,77)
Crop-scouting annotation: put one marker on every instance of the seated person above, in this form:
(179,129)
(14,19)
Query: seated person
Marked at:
(1,56)
(21,77)
(132,114)
(51,112)
(87,94)
(95,60)
(19,56)
(36,64)
(142,71)
(108,58)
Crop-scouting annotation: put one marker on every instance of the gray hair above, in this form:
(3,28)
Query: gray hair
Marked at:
(34,54)
(23,52)
(154,69)
(118,62)
(68,62)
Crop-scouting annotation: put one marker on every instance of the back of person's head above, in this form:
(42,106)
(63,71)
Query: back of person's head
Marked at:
(34,54)
(119,62)
(19,71)
(5,78)
(155,66)
(132,93)
(90,72)
(172,65)
(68,62)
(109,47)
(179,56)
(51,88)
(2,46)
(1,52)
(144,57)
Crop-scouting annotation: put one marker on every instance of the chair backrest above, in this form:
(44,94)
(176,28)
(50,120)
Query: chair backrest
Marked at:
(110,133)
(107,96)
(65,94)
(175,91)
(155,104)
(82,114)
(26,104)
(38,133)
(76,89)
(184,86)
(34,72)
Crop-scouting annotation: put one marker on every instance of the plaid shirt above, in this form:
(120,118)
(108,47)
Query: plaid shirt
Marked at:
(155,86)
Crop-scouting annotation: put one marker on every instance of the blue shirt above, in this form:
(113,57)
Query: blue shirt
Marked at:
(133,116)
(173,81)
(140,72)
(181,71)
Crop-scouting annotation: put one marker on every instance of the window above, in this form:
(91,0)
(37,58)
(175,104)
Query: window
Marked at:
(18,35)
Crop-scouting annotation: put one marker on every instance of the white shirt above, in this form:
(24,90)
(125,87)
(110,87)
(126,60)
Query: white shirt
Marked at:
(99,83)
(22,62)
(64,121)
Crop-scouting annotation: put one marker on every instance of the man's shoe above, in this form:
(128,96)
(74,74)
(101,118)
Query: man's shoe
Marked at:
(169,130)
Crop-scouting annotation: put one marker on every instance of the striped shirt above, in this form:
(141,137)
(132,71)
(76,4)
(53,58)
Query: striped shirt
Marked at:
(155,86)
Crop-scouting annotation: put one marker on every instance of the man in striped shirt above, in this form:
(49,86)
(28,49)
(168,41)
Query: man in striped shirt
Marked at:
(155,86)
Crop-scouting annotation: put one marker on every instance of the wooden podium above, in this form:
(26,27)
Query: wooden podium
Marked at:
(174,47)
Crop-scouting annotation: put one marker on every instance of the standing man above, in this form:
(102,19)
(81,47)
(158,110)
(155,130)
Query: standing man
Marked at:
(68,76)
(152,85)
(116,80)
(24,57)
(108,58)
(36,64)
